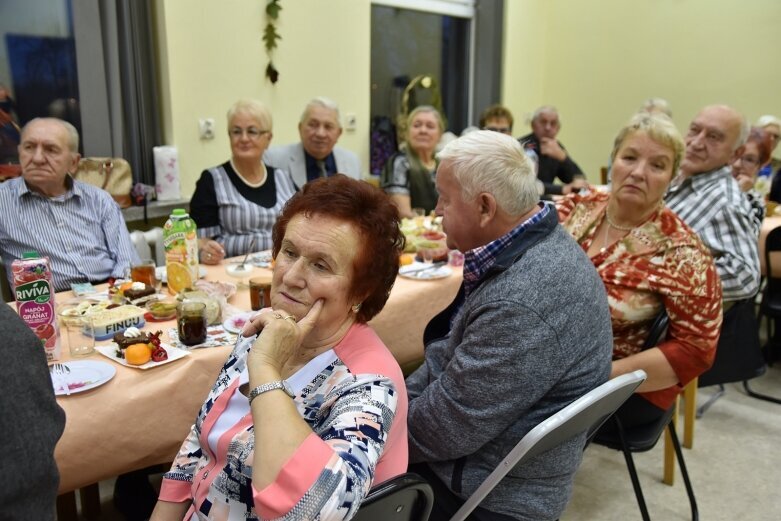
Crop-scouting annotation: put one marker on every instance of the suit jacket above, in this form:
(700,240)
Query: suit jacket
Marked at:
(291,159)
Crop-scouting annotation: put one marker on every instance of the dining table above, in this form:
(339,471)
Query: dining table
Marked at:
(139,418)
(770,223)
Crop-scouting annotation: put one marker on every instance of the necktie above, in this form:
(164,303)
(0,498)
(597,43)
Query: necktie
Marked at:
(321,167)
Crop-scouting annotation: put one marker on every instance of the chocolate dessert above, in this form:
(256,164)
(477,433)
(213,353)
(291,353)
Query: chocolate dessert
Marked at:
(138,290)
(124,341)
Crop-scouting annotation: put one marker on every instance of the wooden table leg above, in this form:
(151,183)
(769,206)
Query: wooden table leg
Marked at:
(66,507)
(689,413)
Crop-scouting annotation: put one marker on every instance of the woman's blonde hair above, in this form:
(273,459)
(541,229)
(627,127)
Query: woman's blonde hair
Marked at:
(253,108)
(658,127)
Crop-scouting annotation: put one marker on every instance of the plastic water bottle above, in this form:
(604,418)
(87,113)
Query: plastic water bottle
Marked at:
(762,183)
(180,242)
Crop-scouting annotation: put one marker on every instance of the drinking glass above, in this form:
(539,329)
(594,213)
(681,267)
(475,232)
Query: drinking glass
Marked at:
(427,254)
(191,322)
(77,330)
(259,293)
(145,272)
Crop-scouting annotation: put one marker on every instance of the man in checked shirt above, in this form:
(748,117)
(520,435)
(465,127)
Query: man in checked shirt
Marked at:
(709,200)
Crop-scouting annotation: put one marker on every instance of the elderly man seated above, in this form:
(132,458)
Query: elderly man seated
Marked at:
(708,199)
(78,226)
(316,155)
(527,334)
(553,161)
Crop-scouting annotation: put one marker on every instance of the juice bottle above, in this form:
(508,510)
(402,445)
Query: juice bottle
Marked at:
(34,293)
(181,251)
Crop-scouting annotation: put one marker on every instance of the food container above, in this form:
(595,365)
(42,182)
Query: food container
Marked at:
(162,308)
(110,321)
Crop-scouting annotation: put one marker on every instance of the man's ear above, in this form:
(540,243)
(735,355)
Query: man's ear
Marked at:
(488,207)
(738,152)
(74,166)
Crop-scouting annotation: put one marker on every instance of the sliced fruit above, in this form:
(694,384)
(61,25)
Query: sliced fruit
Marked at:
(405,259)
(179,277)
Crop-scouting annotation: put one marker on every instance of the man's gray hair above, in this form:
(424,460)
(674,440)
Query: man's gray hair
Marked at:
(487,161)
(73,134)
(544,110)
(745,128)
(323,102)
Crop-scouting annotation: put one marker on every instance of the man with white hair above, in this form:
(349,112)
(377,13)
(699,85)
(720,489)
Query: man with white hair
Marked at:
(316,155)
(708,199)
(77,225)
(528,333)
(553,161)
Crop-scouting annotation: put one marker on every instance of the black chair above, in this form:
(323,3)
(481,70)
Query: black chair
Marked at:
(643,438)
(770,307)
(404,498)
(738,355)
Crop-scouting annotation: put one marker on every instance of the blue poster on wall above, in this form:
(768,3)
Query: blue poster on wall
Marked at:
(44,77)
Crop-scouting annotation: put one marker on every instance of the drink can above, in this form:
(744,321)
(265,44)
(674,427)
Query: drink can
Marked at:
(34,293)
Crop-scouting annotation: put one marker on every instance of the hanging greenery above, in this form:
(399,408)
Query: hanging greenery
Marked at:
(270,37)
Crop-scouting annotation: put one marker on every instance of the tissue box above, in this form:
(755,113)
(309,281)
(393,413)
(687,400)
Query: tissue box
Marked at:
(109,321)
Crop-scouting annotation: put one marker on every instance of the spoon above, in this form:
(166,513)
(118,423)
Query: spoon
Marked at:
(242,266)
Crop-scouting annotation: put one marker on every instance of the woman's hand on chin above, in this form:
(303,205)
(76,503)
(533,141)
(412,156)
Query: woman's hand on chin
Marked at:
(280,335)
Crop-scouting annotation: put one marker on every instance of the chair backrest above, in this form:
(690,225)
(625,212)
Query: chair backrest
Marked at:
(658,330)
(739,353)
(772,244)
(404,498)
(586,414)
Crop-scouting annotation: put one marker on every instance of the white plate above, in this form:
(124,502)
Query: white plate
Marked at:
(236,323)
(410,271)
(162,275)
(174,353)
(84,375)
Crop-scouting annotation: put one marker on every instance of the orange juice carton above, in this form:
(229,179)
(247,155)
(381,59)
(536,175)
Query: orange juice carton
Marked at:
(34,291)
(180,242)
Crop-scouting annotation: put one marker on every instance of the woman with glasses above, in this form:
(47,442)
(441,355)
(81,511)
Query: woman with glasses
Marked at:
(237,203)
(745,167)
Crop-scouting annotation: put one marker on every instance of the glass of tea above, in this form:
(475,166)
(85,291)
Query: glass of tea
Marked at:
(259,293)
(191,322)
(145,272)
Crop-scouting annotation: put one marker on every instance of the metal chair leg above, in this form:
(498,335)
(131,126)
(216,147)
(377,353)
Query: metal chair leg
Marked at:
(684,472)
(759,396)
(630,465)
(705,406)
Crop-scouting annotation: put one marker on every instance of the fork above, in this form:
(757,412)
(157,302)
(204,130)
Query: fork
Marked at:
(59,371)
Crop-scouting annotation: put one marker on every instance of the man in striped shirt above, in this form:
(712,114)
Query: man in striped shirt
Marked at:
(77,225)
(709,200)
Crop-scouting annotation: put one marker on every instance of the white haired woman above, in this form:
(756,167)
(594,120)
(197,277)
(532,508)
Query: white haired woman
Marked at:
(649,260)
(236,204)
(408,177)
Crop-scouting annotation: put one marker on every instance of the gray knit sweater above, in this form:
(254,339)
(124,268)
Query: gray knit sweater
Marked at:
(533,336)
(31,422)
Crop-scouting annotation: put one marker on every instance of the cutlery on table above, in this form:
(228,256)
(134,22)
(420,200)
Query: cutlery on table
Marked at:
(431,267)
(59,371)
(243,265)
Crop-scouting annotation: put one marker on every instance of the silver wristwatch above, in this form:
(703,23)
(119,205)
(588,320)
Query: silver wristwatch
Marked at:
(279,384)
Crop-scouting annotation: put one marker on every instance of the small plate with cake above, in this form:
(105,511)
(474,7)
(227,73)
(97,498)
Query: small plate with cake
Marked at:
(140,350)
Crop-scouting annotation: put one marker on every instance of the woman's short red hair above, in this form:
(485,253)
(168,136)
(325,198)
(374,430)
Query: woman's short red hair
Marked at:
(368,209)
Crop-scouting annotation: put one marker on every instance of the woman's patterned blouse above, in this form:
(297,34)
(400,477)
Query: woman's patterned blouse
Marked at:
(659,264)
(355,441)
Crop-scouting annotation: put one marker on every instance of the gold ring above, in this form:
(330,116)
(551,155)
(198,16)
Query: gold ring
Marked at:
(291,317)
(277,315)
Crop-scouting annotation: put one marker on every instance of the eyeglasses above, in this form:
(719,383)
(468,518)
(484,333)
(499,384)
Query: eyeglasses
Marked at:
(749,159)
(252,132)
(503,130)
